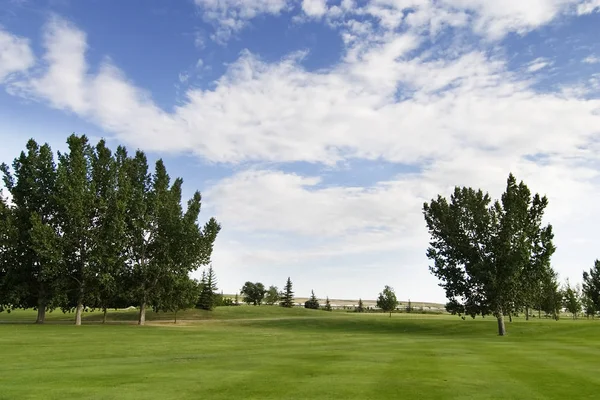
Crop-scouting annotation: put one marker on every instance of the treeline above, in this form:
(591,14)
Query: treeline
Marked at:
(494,257)
(97,229)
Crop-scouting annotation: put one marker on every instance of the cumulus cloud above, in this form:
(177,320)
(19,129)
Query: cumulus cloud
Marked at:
(588,7)
(459,117)
(15,55)
(314,8)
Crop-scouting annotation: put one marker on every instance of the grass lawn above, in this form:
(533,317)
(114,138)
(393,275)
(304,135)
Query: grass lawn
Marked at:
(275,353)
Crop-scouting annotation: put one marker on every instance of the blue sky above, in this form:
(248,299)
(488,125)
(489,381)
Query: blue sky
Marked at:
(316,129)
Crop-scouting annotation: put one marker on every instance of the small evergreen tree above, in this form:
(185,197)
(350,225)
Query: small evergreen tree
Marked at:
(208,290)
(287,299)
(327,304)
(591,289)
(409,307)
(572,301)
(312,302)
(361,307)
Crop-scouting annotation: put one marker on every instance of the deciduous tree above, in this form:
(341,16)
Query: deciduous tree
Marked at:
(34,272)
(591,289)
(482,251)
(253,293)
(387,300)
(272,295)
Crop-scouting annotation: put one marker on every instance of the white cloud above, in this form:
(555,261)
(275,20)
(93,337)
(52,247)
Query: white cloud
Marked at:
(538,64)
(462,116)
(314,8)
(15,55)
(591,60)
(230,16)
(588,7)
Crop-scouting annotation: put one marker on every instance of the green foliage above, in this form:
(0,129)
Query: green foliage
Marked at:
(207,299)
(572,299)
(361,307)
(287,297)
(487,255)
(253,293)
(312,302)
(387,300)
(181,294)
(272,295)
(409,307)
(327,304)
(97,231)
(35,270)
(591,289)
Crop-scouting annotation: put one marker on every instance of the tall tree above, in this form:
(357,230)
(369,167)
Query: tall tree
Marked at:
(7,253)
(591,289)
(253,293)
(272,295)
(482,252)
(287,297)
(572,299)
(35,270)
(551,300)
(108,256)
(76,201)
(312,302)
(387,300)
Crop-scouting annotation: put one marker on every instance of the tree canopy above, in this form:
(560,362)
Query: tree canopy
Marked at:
(97,230)
(487,255)
(387,300)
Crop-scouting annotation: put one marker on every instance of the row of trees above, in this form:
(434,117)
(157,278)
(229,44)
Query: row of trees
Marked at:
(255,293)
(494,257)
(97,230)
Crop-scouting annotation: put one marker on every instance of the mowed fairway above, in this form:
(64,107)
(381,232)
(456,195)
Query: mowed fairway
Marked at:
(274,353)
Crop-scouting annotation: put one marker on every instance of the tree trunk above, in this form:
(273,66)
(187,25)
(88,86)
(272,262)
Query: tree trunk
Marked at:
(509,317)
(142,318)
(527,313)
(540,313)
(175,317)
(501,327)
(78,313)
(390,314)
(104,316)
(41,313)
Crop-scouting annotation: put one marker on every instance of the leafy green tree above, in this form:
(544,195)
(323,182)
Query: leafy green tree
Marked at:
(34,272)
(107,255)
(387,300)
(591,289)
(361,307)
(272,295)
(287,297)
(327,304)
(181,294)
(208,290)
(551,301)
(482,252)
(76,200)
(572,299)
(253,293)
(312,302)
(7,253)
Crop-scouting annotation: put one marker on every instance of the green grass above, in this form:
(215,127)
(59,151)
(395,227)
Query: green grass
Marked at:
(274,353)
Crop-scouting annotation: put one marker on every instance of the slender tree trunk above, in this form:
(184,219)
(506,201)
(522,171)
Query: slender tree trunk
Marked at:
(41,312)
(527,313)
(540,313)
(390,314)
(104,315)
(501,327)
(509,317)
(78,313)
(142,318)
(175,317)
